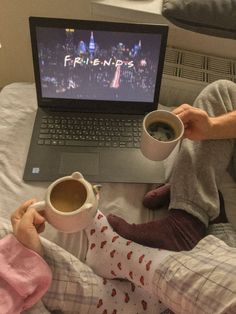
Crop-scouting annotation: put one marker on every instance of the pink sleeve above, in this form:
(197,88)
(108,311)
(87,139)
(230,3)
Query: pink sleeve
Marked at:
(24,276)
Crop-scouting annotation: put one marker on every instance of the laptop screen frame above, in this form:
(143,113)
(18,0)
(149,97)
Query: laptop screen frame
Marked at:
(85,105)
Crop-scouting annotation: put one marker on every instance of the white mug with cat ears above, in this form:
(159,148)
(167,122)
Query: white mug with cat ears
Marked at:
(75,220)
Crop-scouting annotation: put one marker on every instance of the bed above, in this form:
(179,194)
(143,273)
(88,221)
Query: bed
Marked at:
(17,111)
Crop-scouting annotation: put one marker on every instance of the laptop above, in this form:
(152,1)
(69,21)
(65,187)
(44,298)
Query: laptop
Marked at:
(95,81)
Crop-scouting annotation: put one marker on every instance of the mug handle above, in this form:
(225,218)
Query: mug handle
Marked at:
(96,188)
(39,206)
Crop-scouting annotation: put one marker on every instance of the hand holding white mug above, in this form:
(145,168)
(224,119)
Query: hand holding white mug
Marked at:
(197,123)
(27,223)
(70,203)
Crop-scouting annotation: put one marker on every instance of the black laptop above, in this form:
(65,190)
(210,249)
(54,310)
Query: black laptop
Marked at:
(95,81)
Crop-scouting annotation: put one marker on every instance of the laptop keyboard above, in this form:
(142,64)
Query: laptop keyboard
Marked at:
(90,131)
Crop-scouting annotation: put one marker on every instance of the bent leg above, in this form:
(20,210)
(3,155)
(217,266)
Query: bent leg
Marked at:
(194,182)
(185,282)
(76,288)
(200,165)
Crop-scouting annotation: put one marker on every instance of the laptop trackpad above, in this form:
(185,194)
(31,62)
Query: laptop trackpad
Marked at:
(86,163)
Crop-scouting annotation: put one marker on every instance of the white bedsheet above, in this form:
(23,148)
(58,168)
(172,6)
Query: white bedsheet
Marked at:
(17,113)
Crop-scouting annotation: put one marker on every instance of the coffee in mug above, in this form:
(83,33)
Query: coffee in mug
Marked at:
(161,131)
(68,195)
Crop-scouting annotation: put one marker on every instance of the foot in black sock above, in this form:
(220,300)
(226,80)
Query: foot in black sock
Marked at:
(157,197)
(176,232)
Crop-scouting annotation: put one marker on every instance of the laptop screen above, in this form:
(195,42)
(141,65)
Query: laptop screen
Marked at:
(97,61)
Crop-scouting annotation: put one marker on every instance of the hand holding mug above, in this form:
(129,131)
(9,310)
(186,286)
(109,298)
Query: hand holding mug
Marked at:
(197,123)
(70,203)
(27,223)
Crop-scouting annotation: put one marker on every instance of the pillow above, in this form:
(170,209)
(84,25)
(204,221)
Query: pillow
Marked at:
(211,17)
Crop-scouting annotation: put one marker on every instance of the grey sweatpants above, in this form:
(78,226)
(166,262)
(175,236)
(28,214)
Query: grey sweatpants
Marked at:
(200,165)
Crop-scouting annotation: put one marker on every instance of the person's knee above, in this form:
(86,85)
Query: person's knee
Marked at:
(225,86)
(218,97)
(222,86)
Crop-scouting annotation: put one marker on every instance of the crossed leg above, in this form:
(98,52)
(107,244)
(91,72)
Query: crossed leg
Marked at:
(194,197)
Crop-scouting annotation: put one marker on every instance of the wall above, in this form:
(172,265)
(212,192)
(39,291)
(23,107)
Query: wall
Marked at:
(188,40)
(150,12)
(15,53)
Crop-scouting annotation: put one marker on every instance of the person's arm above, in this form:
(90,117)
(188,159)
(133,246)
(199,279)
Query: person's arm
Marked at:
(224,126)
(24,275)
(200,126)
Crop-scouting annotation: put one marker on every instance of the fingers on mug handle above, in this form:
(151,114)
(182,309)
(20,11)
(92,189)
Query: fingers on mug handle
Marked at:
(33,217)
(39,206)
(20,211)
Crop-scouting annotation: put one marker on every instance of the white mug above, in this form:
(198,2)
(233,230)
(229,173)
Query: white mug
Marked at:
(161,131)
(70,203)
